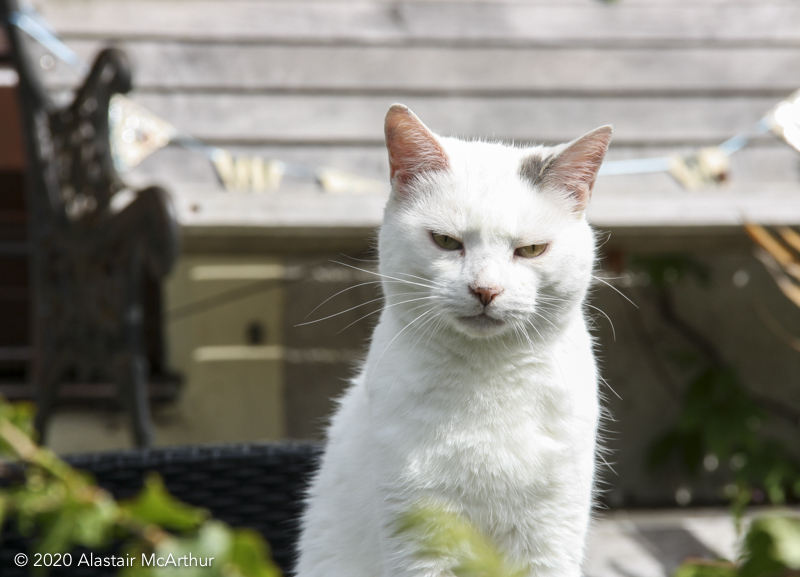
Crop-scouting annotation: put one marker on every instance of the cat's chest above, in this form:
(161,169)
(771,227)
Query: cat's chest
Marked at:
(488,444)
(480,428)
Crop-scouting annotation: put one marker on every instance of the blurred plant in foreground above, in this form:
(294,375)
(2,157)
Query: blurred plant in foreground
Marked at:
(63,508)
(771,548)
(445,536)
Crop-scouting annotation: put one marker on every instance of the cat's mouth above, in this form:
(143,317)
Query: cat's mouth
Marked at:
(482,322)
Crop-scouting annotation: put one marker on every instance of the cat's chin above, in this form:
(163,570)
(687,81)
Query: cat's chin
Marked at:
(481,325)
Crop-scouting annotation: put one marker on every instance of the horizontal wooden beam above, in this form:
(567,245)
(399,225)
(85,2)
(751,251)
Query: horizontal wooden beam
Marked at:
(317,222)
(358,120)
(440,22)
(413,70)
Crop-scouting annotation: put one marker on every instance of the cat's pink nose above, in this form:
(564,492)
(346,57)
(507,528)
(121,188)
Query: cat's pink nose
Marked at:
(486,294)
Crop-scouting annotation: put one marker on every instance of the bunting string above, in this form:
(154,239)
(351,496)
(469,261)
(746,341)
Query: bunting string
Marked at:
(136,133)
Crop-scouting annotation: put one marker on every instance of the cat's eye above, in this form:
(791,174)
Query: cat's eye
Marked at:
(530,251)
(446,242)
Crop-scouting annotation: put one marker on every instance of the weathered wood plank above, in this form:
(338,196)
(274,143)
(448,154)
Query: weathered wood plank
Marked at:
(359,119)
(414,70)
(772,204)
(498,23)
(177,167)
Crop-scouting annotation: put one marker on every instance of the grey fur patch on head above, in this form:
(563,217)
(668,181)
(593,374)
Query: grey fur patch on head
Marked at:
(534,167)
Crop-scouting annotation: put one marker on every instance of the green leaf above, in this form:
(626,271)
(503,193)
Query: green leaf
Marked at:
(94,525)
(155,505)
(771,546)
(698,568)
(58,530)
(250,555)
(443,535)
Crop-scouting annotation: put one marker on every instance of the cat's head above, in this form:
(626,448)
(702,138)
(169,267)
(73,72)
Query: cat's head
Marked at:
(484,238)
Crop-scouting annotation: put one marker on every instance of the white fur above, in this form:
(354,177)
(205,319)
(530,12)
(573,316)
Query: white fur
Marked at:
(498,421)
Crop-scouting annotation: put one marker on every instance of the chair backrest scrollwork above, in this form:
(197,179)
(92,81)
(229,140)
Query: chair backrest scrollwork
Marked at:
(89,260)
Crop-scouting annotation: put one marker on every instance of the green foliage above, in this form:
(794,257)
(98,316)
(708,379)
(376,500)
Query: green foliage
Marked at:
(156,506)
(714,419)
(64,508)
(703,568)
(771,548)
(447,537)
(718,427)
(719,419)
(235,553)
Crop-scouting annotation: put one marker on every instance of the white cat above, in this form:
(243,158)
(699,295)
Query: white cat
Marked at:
(480,387)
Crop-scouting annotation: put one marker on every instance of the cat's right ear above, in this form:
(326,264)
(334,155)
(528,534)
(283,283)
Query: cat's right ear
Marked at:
(413,149)
(572,169)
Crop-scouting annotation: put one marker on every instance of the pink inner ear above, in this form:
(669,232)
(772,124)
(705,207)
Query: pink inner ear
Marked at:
(575,168)
(413,149)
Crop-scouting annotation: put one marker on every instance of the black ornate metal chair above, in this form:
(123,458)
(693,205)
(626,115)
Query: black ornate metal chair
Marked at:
(88,261)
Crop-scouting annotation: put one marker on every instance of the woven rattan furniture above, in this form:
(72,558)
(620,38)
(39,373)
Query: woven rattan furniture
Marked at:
(259,486)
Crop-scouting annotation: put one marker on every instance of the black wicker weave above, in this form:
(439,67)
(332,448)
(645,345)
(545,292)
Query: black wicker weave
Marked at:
(259,486)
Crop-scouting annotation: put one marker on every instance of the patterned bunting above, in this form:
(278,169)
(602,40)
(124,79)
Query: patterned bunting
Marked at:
(706,167)
(135,132)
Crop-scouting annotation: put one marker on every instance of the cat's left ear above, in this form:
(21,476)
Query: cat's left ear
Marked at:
(573,169)
(413,148)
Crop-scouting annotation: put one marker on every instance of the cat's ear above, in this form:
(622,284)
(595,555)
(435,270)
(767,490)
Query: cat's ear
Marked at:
(573,169)
(413,149)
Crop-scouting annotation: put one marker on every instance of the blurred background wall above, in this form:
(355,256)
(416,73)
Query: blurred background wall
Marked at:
(309,82)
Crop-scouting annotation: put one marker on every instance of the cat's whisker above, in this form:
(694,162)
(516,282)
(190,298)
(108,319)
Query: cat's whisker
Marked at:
(421,278)
(340,292)
(616,289)
(544,318)
(386,307)
(551,298)
(502,339)
(428,322)
(524,333)
(602,312)
(605,382)
(533,326)
(383,275)
(358,259)
(430,310)
(515,328)
(436,327)
(347,311)
(414,309)
(606,463)
(521,334)
(416,330)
